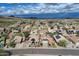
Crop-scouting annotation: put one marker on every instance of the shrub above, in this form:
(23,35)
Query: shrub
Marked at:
(62,43)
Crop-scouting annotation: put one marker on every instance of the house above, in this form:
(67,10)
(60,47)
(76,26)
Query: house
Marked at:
(33,31)
(1,29)
(72,38)
(59,37)
(26,27)
(70,31)
(18,39)
(15,31)
(34,36)
(77,45)
(45,42)
(51,41)
(10,35)
(19,45)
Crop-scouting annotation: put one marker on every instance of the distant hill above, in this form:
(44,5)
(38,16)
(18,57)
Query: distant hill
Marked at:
(50,15)
(45,16)
(8,17)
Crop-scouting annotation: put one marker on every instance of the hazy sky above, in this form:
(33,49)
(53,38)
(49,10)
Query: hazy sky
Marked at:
(38,8)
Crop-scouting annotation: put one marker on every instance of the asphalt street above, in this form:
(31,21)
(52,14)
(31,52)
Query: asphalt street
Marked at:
(44,51)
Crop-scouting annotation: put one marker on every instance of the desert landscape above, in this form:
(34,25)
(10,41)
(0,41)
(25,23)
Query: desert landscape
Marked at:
(45,33)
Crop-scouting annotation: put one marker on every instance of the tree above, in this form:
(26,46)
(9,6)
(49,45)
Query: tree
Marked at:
(51,34)
(54,45)
(33,40)
(62,43)
(1,50)
(3,38)
(1,45)
(26,34)
(77,33)
(4,53)
(12,44)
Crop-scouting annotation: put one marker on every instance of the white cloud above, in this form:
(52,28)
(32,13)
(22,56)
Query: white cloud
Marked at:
(40,8)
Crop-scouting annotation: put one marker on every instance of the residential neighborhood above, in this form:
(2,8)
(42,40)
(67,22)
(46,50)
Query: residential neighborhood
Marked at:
(44,33)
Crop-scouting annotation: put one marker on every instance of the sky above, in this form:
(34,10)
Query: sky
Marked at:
(28,8)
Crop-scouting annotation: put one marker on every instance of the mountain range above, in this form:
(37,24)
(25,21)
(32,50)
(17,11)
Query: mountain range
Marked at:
(46,15)
(49,15)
